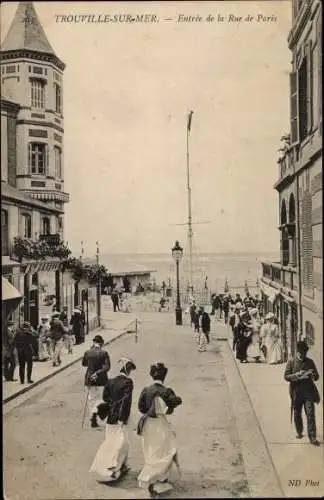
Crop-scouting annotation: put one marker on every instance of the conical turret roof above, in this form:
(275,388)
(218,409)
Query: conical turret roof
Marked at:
(26,31)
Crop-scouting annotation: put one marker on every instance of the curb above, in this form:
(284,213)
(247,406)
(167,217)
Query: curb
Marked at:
(274,481)
(59,370)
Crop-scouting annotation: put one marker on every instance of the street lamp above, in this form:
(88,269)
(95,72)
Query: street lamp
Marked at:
(177,253)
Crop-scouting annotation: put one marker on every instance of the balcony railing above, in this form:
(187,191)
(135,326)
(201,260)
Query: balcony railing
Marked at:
(51,239)
(284,276)
(286,162)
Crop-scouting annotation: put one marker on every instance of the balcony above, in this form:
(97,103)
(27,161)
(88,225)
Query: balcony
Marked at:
(286,167)
(282,276)
(48,246)
(51,239)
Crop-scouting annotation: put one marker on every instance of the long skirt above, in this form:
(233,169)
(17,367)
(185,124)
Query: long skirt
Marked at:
(202,342)
(242,347)
(112,453)
(253,350)
(274,353)
(159,449)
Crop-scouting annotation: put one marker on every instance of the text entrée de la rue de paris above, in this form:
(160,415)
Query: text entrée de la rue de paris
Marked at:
(149,18)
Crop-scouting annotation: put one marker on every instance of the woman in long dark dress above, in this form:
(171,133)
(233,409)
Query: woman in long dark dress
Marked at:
(244,334)
(111,458)
(158,437)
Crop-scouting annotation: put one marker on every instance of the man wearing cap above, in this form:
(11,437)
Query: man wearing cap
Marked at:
(97,362)
(300,373)
(26,344)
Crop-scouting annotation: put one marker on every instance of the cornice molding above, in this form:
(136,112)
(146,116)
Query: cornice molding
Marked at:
(32,54)
(40,124)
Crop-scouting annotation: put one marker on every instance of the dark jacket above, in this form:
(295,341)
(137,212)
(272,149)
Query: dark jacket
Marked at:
(205,322)
(97,361)
(146,402)
(77,325)
(117,396)
(302,390)
(25,341)
(57,329)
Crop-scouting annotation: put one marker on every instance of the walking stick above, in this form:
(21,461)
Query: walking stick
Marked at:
(85,406)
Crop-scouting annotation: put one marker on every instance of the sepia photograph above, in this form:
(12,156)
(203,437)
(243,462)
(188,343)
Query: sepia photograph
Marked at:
(162,249)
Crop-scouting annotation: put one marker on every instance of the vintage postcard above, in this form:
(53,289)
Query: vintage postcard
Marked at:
(162,274)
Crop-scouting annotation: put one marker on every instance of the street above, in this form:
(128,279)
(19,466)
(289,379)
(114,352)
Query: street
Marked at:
(48,455)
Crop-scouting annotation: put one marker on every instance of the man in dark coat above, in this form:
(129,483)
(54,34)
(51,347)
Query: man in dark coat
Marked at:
(97,362)
(301,373)
(9,352)
(26,344)
(77,326)
(205,323)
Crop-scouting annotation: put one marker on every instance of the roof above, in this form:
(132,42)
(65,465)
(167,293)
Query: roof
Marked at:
(15,194)
(26,31)
(9,292)
(119,267)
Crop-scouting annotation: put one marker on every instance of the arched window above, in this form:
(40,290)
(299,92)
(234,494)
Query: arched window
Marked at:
(292,229)
(46,226)
(292,210)
(310,333)
(284,235)
(26,225)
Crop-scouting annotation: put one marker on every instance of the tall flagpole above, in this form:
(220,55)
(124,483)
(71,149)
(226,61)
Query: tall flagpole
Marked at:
(190,232)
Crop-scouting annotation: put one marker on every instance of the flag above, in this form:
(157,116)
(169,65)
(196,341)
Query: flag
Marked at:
(189,121)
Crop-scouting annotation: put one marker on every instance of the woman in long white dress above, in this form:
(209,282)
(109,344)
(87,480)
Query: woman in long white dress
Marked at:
(158,438)
(110,461)
(253,350)
(270,337)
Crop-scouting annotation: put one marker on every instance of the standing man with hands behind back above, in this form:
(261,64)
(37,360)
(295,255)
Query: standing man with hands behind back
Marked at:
(97,361)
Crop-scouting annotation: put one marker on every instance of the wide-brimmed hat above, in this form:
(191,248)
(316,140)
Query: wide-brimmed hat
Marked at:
(238,305)
(45,316)
(55,314)
(253,311)
(26,324)
(76,311)
(302,347)
(270,315)
(98,340)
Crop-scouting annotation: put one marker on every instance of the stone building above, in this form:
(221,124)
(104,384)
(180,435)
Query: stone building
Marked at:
(32,167)
(293,287)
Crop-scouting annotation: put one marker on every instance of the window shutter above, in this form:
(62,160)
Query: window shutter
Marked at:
(319,66)
(29,158)
(309,58)
(294,108)
(46,160)
(307,237)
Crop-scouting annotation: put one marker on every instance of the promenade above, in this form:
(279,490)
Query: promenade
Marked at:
(233,430)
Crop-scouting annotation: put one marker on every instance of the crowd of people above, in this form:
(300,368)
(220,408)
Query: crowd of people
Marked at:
(23,344)
(255,337)
(155,403)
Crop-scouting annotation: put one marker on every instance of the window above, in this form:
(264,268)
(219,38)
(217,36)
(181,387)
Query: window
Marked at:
(315,84)
(58,162)
(37,158)
(309,333)
(294,108)
(307,239)
(26,225)
(58,98)
(37,94)
(46,226)
(303,99)
(4,233)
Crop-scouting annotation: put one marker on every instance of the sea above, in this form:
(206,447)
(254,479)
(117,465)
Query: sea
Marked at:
(237,269)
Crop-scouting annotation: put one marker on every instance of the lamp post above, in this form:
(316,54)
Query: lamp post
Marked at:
(177,253)
(98,287)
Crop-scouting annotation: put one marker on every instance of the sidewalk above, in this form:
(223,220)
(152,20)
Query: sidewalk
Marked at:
(294,460)
(114,326)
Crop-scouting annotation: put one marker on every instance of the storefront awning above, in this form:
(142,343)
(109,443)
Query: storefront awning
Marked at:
(9,292)
(270,292)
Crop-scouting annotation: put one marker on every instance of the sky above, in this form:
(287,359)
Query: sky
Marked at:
(128,89)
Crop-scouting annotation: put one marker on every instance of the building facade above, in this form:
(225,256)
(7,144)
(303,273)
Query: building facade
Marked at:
(32,167)
(293,287)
